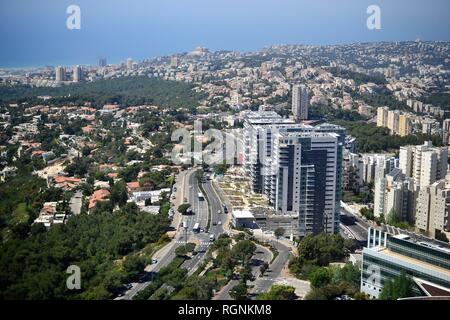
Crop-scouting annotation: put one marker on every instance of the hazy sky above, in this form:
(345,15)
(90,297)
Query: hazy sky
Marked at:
(34,33)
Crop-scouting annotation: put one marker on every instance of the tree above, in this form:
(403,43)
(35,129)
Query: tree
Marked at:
(183,208)
(328,292)
(119,195)
(322,249)
(278,292)
(183,250)
(279,232)
(244,250)
(246,273)
(349,274)
(239,292)
(133,266)
(320,277)
(400,287)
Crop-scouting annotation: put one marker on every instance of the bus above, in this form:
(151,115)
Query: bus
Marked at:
(196,227)
(200,196)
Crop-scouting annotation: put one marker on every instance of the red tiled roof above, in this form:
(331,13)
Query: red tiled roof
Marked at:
(97,196)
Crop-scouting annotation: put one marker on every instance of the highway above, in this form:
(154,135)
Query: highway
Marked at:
(355,225)
(187,187)
(215,227)
(166,254)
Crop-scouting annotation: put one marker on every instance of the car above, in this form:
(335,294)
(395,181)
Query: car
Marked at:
(194,253)
(154,261)
(202,230)
(219,223)
(212,237)
(128,286)
(214,223)
(219,212)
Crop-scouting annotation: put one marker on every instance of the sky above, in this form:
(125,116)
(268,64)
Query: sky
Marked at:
(34,33)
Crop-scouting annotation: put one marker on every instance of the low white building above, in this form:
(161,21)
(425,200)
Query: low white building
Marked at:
(243,219)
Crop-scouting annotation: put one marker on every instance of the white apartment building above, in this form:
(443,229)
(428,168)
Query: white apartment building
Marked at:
(424,163)
(393,194)
(433,208)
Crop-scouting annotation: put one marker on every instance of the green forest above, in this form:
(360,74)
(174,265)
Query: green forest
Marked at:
(370,138)
(102,245)
(126,91)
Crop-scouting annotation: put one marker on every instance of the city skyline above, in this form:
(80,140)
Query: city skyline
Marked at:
(249,151)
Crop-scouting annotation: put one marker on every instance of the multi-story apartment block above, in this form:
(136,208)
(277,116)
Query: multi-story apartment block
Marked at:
(425,163)
(305,182)
(261,133)
(433,208)
(300,102)
(394,194)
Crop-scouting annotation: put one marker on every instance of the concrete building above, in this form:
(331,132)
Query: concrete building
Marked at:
(352,171)
(446,132)
(393,122)
(396,121)
(257,140)
(102,62)
(404,127)
(300,102)
(382,116)
(235,98)
(174,62)
(263,153)
(129,63)
(424,163)
(376,166)
(60,74)
(305,181)
(77,74)
(387,256)
(243,219)
(394,195)
(433,208)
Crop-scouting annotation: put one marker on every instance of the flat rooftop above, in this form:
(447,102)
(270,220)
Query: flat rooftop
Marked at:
(423,264)
(243,214)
